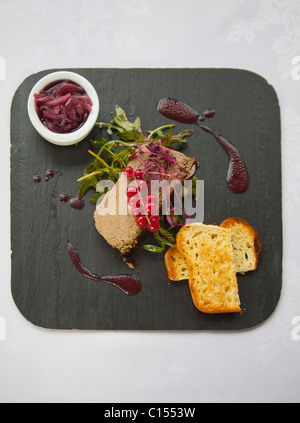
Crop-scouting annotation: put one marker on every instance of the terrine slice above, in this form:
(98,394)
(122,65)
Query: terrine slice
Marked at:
(112,216)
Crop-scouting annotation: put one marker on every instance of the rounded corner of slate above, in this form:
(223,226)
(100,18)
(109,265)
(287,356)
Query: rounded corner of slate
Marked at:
(261,80)
(26,315)
(265,316)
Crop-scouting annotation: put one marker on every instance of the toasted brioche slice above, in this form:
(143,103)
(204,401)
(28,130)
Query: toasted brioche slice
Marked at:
(176,265)
(212,276)
(246,244)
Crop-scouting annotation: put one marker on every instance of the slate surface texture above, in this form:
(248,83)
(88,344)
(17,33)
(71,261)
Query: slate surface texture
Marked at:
(47,288)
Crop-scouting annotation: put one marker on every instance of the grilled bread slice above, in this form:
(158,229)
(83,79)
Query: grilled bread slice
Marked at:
(176,265)
(212,276)
(246,244)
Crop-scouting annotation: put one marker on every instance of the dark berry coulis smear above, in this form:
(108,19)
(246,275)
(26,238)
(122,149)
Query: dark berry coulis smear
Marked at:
(80,267)
(129,284)
(238,177)
(77,203)
(37,179)
(176,110)
(209,114)
(64,198)
(50,173)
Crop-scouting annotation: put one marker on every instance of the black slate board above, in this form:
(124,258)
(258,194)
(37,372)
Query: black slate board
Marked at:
(47,288)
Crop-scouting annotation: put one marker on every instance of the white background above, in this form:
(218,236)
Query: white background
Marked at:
(259,365)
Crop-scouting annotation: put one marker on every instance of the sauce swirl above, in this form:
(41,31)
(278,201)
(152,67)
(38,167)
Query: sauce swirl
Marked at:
(129,284)
(238,177)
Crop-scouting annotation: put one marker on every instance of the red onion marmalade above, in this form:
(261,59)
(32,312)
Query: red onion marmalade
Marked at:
(63,107)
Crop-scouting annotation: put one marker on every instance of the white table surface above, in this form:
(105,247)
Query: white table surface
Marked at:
(257,365)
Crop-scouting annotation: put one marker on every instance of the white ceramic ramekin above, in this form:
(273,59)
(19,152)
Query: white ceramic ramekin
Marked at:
(72,137)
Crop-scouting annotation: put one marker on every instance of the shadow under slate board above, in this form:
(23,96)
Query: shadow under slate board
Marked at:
(47,288)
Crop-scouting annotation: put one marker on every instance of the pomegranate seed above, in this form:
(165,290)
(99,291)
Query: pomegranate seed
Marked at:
(129,172)
(134,201)
(153,227)
(136,212)
(141,184)
(142,188)
(131,191)
(139,174)
(142,221)
(155,219)
(152,198)
(150,208)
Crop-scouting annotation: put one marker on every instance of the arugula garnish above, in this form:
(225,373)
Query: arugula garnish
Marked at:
(164,238)
(126,130)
